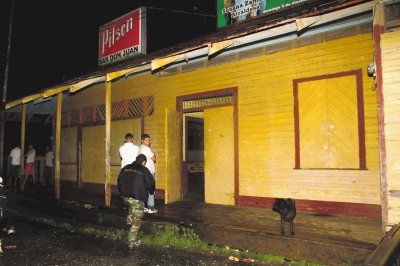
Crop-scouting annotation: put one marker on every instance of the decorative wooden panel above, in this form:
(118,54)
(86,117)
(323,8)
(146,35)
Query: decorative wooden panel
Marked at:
(150,105)
(125,109)
(100,113)
(219,155)
(119,110)
(74,117)
(199,102)
(328,123)
(65,119)
(87,115)
(135,107)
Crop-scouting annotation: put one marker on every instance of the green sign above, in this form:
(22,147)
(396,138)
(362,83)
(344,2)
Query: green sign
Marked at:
(233,11)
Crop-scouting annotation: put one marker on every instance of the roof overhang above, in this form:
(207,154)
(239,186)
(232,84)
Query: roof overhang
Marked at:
(208,48)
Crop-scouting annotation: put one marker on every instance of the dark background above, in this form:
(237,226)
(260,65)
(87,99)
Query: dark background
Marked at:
(55,41)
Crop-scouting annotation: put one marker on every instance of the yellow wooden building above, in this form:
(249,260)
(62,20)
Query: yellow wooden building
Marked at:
(282,109)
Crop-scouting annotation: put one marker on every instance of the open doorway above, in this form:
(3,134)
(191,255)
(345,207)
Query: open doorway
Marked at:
(194,155)
(209,154)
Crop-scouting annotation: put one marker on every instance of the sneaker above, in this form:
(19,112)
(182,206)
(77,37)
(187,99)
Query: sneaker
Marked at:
(152,211)
(146,210)
(11,231)
(134,244)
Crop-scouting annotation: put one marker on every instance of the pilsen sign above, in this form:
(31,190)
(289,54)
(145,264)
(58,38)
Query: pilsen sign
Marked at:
(123,37)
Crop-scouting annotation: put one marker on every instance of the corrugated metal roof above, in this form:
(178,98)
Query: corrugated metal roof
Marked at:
(258,24)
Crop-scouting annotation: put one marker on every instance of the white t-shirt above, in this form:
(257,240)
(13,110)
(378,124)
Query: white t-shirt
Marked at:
(15,155)
(31,157)
(150,163)
(128,153)
(49,159)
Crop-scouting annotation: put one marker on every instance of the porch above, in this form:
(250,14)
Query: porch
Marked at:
(328,239)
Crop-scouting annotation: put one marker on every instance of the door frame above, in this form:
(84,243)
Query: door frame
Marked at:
(184,167)
(213,94)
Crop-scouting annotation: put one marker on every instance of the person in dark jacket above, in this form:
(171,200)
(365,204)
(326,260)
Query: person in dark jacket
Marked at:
(3,199)
(135,182)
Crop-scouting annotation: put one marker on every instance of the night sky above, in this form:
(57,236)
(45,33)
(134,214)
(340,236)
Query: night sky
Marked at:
(55,41)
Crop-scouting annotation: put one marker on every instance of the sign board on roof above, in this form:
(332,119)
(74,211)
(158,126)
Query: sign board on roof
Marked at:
(122,38)
(232,11)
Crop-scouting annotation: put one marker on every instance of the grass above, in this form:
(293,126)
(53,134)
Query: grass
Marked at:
(169,235)
(160,235)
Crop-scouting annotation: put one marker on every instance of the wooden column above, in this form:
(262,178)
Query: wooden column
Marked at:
(22,166)
(378,30)
(79,156)
(57,147)
(2,126)
(107,186)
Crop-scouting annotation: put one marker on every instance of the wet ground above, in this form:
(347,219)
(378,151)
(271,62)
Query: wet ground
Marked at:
(39,244)
(331,240)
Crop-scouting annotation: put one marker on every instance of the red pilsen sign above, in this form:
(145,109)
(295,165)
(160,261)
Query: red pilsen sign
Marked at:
(122,38)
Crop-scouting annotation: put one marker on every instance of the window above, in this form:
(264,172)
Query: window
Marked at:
(329,121)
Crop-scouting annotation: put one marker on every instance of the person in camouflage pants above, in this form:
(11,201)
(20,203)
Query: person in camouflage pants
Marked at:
(135,182)
(134,218)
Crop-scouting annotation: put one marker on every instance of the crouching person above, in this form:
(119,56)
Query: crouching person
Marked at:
(135,182)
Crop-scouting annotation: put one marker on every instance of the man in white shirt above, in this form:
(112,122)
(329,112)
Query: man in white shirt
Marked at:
(48,165)
(15,156)
(129,151)
(30,163)
(151,159)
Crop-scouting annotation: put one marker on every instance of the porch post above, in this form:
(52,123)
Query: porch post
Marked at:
(107,186)
(2,126)
(21,171)
(378,26)
(57,147)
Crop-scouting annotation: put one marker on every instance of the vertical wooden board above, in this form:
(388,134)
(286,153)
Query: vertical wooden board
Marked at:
(23,126)
(313,118)
(93,153)
(390,62)
(173,151)
(57,170)
(328,118)
(68,153)
(68,145)
(343,122)
(219,163)
(154,125)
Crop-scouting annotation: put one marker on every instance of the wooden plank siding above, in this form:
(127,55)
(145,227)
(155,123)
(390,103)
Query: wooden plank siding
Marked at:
(390,44)
(68,153)
(266,138)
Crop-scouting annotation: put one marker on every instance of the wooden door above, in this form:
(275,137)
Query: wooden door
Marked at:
(173,155)
(93,154)
(219,162)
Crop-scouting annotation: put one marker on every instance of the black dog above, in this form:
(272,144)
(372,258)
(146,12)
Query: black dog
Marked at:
(287,209)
